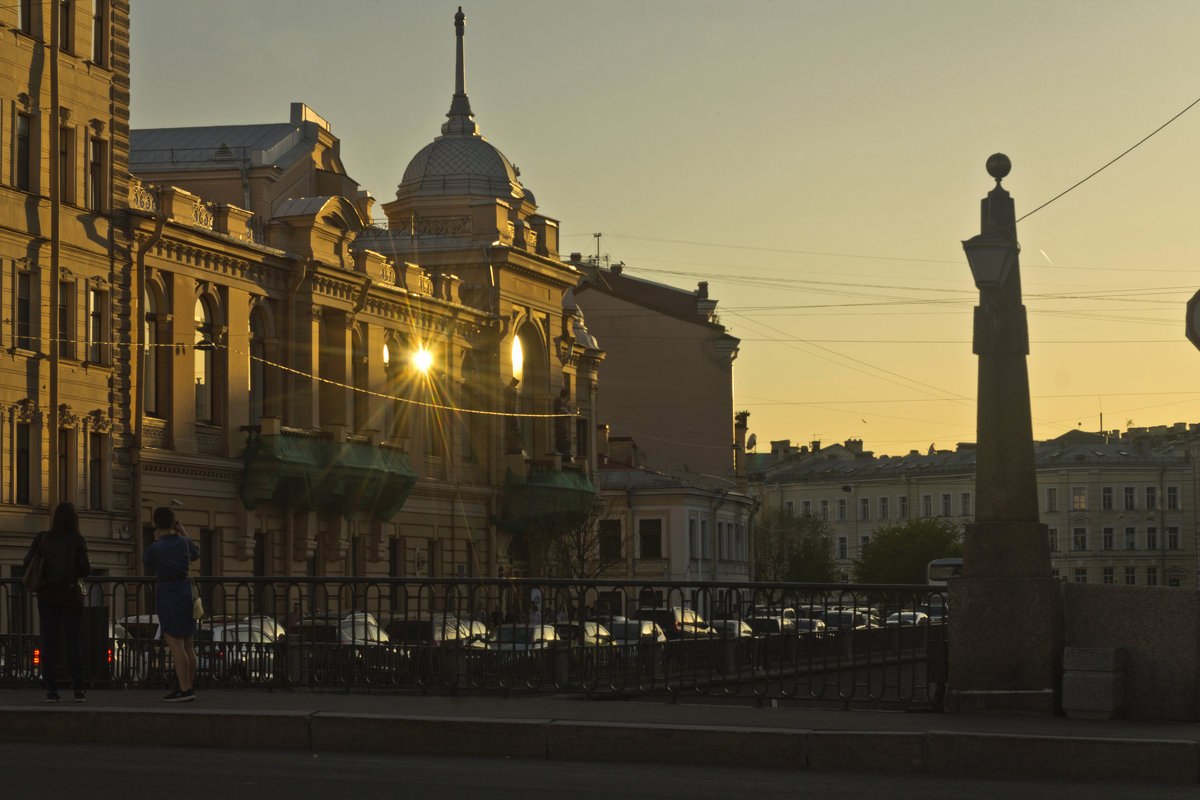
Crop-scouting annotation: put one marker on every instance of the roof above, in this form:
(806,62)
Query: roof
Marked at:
(217,146)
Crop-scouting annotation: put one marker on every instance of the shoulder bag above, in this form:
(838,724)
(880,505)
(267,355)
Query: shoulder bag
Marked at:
(35,574)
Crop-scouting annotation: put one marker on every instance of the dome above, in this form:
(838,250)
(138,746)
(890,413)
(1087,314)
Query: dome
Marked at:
(460,161)
(461,164)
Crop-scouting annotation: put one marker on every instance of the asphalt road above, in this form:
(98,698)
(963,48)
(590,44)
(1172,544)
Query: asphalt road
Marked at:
(99,772)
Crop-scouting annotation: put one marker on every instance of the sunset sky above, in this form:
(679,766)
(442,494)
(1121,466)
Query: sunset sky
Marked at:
(818,163)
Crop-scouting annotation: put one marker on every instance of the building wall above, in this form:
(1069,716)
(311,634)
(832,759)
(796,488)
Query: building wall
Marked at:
(81,396)
(1088,535)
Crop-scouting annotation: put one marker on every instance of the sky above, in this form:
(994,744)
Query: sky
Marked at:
(817,163)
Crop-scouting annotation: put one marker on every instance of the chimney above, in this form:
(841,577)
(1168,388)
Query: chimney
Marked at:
(816,445)
(617,269)
(739,446)
(702,290)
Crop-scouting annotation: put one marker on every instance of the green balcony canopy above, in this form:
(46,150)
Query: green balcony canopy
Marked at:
(317,475)
(545,499)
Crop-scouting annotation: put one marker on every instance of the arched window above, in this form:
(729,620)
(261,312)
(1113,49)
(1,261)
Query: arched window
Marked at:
(358,367)
(152,356)
(258,369)
(530,370)
(204,346)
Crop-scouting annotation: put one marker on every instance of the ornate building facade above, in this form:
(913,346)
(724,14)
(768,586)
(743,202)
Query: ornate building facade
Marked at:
(315,393)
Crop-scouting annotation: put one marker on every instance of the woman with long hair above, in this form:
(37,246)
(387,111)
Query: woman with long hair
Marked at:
(60,598)
(169,557)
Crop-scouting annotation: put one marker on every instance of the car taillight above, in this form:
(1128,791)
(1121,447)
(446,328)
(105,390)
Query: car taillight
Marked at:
(110,655)
(37,656)
(677,628)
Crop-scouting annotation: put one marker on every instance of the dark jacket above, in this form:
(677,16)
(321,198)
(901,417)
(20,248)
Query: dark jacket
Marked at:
(66,556)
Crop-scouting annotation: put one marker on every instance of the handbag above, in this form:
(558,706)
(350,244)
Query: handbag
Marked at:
(35,574)
(197,603)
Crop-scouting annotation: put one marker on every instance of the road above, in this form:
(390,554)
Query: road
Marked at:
(100,772)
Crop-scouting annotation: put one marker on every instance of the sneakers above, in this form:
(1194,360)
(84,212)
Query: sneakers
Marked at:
(180,696)
(51,697)
(80,697)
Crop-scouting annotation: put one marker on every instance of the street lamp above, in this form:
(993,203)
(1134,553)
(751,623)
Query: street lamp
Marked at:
(1006,626)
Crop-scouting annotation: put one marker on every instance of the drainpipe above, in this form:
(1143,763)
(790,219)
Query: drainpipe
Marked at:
(55,333)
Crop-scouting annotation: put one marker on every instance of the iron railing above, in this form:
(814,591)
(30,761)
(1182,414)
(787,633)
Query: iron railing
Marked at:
(440,636)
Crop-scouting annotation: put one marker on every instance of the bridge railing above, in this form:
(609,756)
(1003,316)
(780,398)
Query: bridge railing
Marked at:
(719,639)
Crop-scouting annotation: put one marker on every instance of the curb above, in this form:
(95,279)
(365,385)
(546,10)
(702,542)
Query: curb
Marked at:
(944,753)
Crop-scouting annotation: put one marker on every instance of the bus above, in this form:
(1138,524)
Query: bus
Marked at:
(942,568)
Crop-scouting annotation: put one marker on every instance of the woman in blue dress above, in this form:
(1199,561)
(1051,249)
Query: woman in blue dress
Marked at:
(169,558)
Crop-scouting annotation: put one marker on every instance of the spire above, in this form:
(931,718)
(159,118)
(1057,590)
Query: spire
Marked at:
(461,120)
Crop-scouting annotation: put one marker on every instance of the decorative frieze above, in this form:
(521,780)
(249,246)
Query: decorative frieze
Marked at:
(459,225)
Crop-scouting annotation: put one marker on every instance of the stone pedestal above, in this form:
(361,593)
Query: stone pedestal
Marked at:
(1005,644)
(1093,682)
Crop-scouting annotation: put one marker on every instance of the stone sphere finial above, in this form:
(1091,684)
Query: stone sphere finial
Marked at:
(998,166)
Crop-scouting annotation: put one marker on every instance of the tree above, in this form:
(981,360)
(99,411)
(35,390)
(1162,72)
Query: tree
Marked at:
(583,548)
(900,553)
(792,549)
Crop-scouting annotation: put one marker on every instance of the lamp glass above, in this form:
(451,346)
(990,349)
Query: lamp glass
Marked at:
(990,258)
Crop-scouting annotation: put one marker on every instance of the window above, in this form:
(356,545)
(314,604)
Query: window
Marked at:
(24,311)
(883,508)
(610,539)
(1079,498)
(902,507)
(1130,576)
(25,16)
(1172,538)
(947,506)
(1106,498)
(97,327)
(650,538)
(1081,574)
(258,376)
(1152,576)
(1051,498)
(1131,538)
(926,505)
(22,448)
(203,363)
(806,508)
(99,32)
(705,545)
(1151,538)
(841,510)
(720,540)
(64,26)
(1109,578)
(1151,498)
(66,165)
(96,182)
(153,353)
(66,319)
(863,542)
(693,537)
(1107,536)
(66,464)
(964,504)
(843,548)
(23,175)
(789,507)
(1053,540)
(825,510)
(1172,498)
(1079,539)
(1130,499)
(96,461)
(864,508)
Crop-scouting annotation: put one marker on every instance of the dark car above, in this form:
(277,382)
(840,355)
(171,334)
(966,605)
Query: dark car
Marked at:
(584,634)
(676,622)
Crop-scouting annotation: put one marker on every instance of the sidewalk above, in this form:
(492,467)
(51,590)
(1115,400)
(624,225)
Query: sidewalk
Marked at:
(573,728)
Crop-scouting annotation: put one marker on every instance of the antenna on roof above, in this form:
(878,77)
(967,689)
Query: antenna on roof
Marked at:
(597,235)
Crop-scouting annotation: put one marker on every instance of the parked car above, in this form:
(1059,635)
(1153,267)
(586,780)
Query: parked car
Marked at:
(584,634)
(328,648)
(430,631)
(937,612)
(731,628)
(808,626)
(906,618)
(676,622)
(126,660)
(635,631)
(772,626)
(520,636)
(846,620)
(238,651)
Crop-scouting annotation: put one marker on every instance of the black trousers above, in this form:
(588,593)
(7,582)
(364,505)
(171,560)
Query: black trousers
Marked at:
(65,618)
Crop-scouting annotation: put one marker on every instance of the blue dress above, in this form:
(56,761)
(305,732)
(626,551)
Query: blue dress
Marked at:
(169,558)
